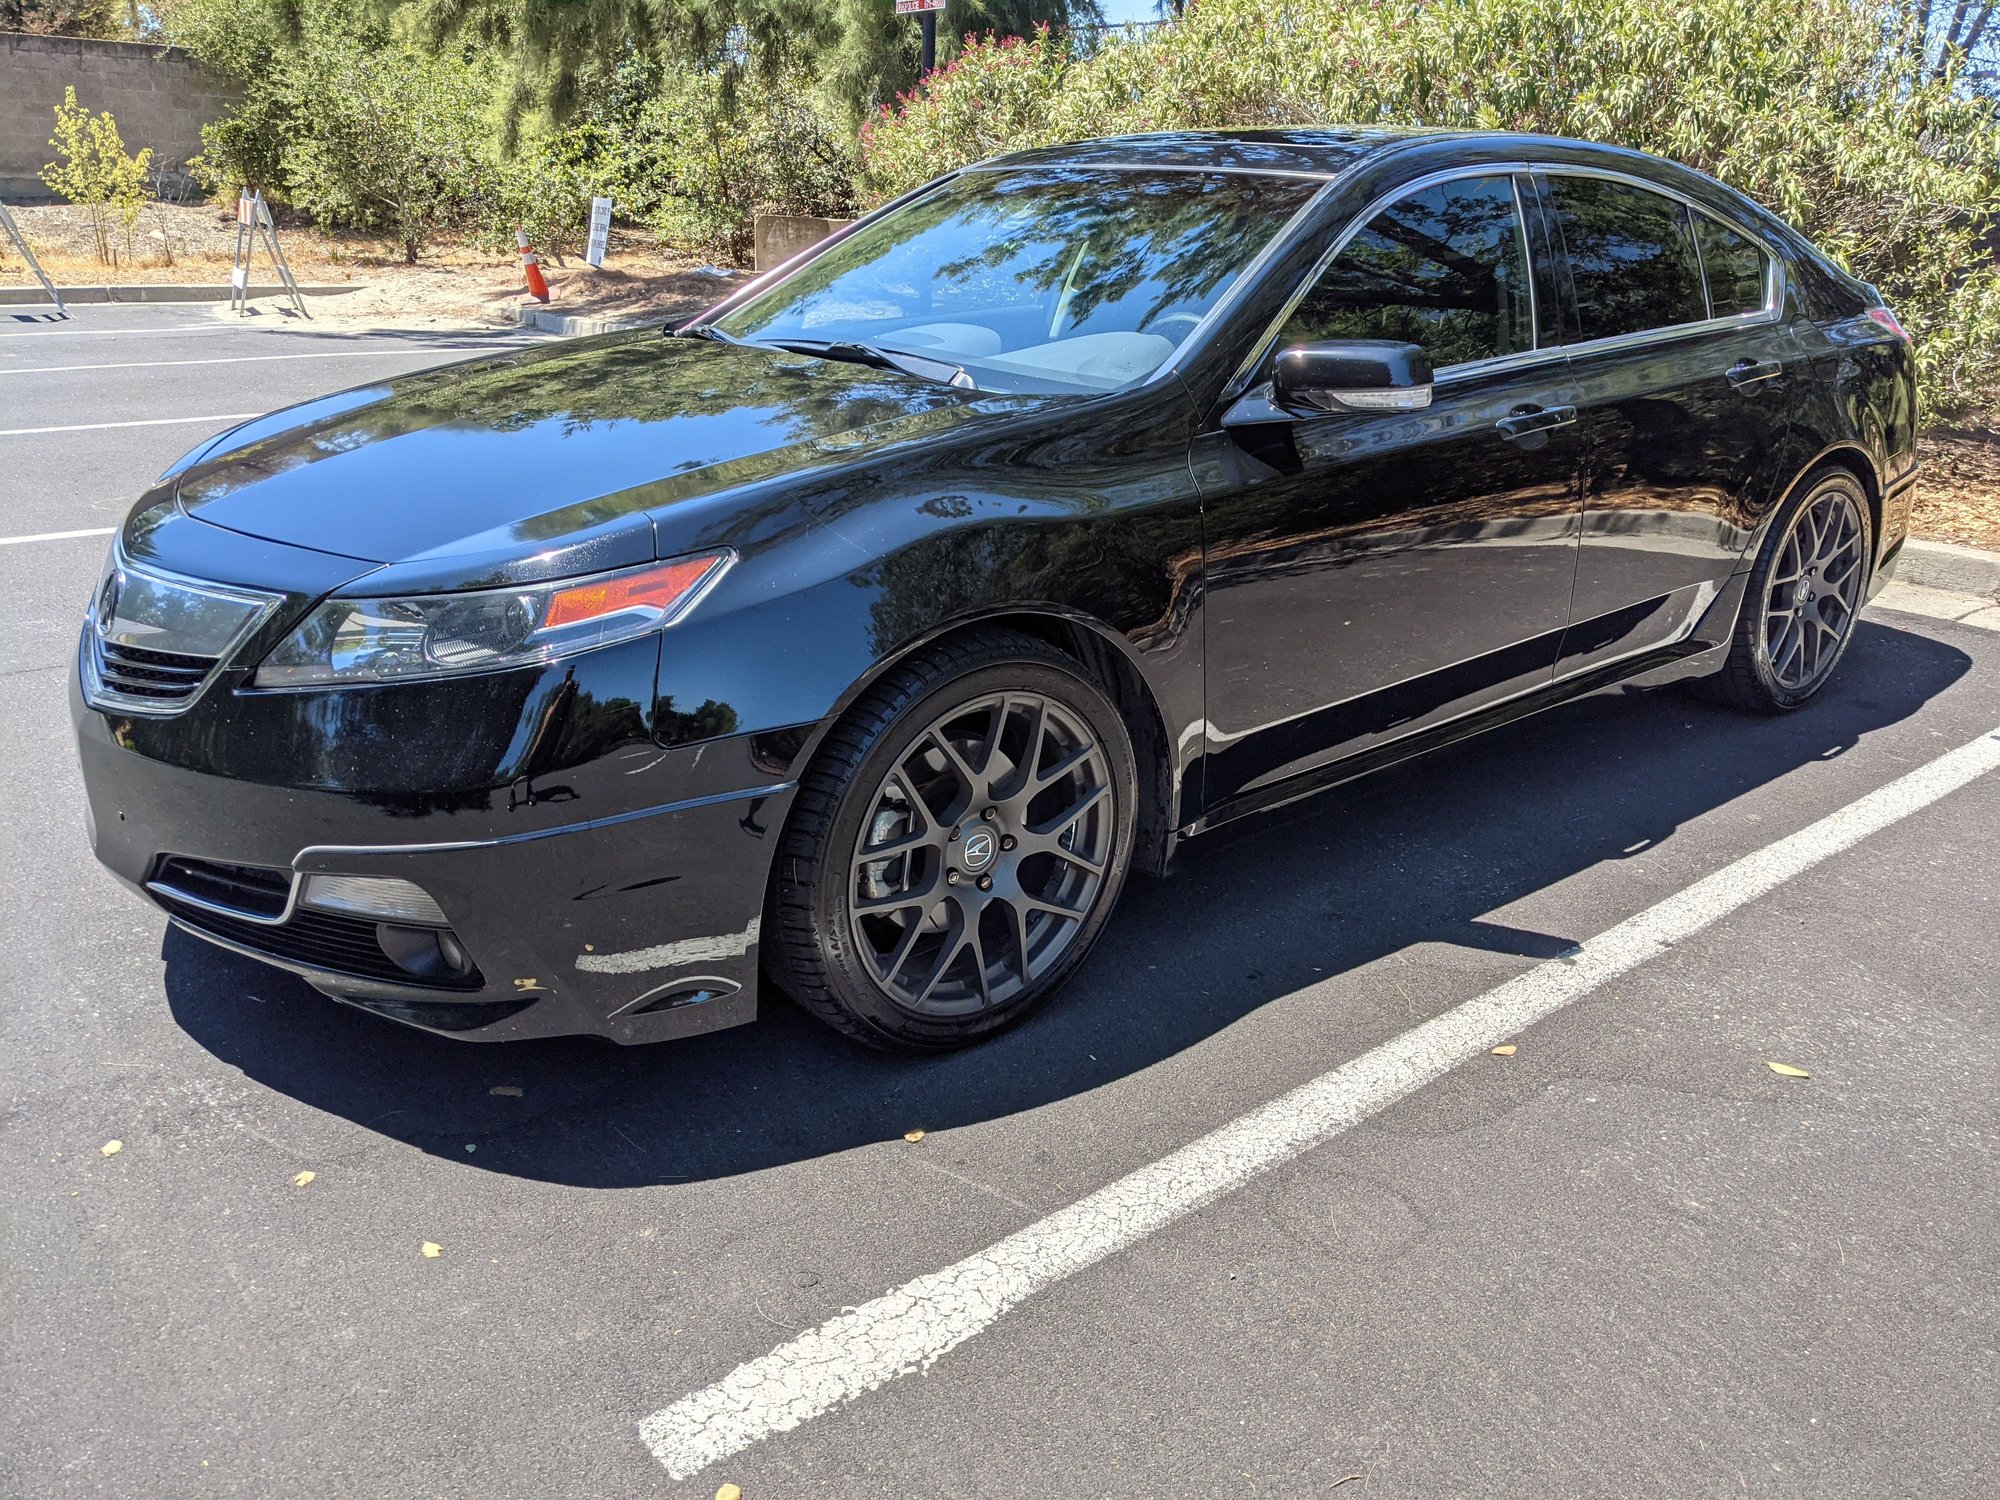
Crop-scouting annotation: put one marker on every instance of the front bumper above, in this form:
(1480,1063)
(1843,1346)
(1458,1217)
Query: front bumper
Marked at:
(637,926)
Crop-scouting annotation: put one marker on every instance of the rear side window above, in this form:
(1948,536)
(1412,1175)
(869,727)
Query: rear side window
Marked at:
(1736,267)
(1631,257)
(1446,268)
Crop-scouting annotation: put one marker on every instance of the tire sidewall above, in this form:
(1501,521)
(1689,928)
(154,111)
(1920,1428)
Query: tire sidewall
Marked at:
(832,892)
(1815,486)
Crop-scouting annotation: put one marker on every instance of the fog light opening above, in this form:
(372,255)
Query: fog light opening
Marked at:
(424,952)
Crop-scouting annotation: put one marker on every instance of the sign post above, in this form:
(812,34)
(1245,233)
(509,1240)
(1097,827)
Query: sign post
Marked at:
(600,232)
(21,244)
(927,11)
(253,218)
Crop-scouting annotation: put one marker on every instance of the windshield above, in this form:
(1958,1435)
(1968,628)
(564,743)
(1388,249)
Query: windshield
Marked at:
(1050,279)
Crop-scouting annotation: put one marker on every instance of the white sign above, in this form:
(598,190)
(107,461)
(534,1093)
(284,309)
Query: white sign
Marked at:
(600,231)
(911,7)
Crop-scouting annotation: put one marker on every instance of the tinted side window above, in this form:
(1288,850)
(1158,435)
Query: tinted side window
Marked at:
(1631,256)
(1446,268)
(1736,268)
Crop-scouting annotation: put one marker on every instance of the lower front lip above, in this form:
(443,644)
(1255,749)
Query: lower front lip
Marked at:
(637,927)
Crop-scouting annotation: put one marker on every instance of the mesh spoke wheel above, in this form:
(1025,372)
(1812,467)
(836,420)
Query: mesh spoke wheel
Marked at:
(956,846)
(984,849)
(1813,592)
(1802,599)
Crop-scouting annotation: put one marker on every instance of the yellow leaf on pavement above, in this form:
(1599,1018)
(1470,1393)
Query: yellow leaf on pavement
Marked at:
(1506,1051)
(1786,1070)
(110,1148)
(303,1178)
(913,1136)
(432,1252)
(729,1492)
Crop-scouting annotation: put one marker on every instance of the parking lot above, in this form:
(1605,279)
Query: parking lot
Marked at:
(1627,1259)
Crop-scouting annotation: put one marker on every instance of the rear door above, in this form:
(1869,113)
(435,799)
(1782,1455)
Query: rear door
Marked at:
(1686,375)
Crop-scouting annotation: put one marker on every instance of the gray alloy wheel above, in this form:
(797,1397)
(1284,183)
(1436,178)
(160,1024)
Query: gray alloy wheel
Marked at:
(983,853)
(1803,598)
(1813,591)
(956,846)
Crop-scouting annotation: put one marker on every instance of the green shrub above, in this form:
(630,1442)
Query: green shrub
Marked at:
(343,118)
(702,160)
(1816,108)
(996,95)
(96,174)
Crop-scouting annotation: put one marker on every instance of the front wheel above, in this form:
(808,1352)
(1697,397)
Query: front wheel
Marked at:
(1803,598)
(956,847)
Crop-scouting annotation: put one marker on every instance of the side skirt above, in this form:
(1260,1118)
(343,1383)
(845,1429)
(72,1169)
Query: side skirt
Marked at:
(1701,651)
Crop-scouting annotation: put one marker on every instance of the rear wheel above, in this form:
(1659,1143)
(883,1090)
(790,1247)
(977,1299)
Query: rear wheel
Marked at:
(1803,599)
(956,847)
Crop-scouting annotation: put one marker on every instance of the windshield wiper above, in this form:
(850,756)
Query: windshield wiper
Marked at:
(705,331)
(944,371)
(842,349)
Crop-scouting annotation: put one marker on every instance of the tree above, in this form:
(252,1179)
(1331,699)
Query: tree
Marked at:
(1958,36)
(861,50)
(96,173)
(101,19)
(397,143)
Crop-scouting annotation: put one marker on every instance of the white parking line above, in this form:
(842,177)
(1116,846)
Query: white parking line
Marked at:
(56,536)
(911,1327)
(228,416)
(78,331)
(379,352)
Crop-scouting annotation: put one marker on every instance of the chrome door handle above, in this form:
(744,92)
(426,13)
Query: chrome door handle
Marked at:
(1748,372)
(1531,419)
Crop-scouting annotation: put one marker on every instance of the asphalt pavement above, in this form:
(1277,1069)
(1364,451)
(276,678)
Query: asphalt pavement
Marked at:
(1628,1259)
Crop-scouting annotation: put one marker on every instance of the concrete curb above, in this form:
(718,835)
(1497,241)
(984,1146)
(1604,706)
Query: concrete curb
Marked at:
(1944,565)
(572,326)
(22,296)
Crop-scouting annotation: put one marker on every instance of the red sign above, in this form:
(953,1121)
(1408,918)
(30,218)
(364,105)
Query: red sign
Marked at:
(911,7)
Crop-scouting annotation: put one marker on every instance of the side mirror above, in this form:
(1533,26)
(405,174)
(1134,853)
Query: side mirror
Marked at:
(1351,375)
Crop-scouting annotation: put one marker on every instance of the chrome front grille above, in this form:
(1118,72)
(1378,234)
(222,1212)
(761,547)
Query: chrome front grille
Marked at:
(133,672)
(155,639)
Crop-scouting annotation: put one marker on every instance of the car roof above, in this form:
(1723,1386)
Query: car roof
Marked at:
(1328,151)
(1320,152)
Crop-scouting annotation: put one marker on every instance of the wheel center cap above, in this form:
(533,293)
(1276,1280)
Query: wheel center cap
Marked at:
(978,849)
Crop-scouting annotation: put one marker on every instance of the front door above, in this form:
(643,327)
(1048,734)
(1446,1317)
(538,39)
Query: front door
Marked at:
(1371,574)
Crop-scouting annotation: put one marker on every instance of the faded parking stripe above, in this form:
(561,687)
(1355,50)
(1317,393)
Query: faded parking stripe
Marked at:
(908,1329)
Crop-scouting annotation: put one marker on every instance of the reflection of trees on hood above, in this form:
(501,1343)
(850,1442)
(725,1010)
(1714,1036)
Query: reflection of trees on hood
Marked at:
(645,377)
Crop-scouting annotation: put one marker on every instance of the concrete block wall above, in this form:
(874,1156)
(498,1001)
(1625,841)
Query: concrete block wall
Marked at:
(160,96)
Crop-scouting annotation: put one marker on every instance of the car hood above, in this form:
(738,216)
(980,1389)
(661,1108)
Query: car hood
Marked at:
(529,453)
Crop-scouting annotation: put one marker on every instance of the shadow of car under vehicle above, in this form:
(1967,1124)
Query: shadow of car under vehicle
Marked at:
(1414,854)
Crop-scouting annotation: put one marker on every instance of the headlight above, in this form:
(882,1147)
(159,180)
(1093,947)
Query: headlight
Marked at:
(448,635)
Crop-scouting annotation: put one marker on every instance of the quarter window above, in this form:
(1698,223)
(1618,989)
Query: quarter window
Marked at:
(1737,268)
(1631,257)
(1445,268)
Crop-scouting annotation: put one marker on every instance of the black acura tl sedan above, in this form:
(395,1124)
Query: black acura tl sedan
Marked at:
(869,629)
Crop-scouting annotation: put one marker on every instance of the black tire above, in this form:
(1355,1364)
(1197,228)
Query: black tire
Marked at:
(1794,627)
(838,942)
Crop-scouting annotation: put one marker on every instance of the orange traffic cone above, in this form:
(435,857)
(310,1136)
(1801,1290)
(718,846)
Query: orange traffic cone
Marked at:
(538,285)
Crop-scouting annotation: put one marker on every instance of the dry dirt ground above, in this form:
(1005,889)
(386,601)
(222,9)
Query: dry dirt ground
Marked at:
(1958,493)
(454,285)
(1958,498)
